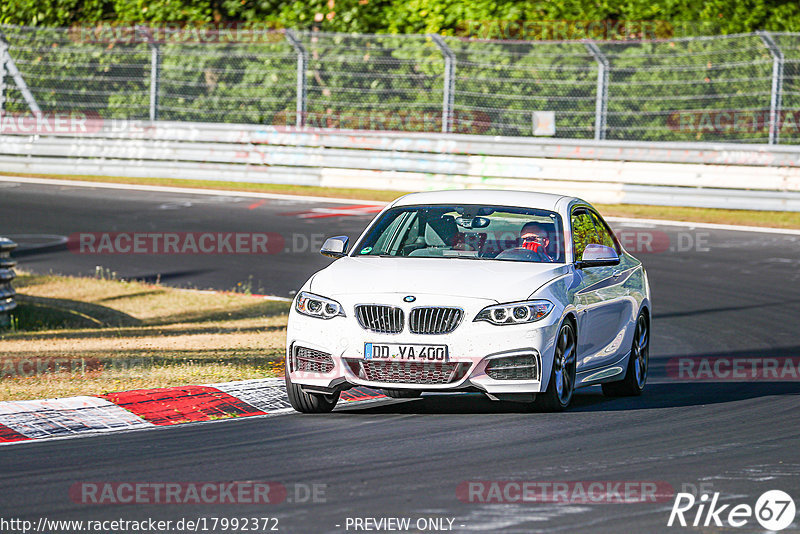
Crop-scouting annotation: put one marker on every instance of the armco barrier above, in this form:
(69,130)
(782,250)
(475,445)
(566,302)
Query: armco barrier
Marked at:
(737,176)
(7,274)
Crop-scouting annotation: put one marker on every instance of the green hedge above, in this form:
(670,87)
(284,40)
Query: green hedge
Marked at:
(411,16)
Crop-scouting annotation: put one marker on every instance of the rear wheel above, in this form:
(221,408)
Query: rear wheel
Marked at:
(562,374)
(636,374)
(401,393)
(309,402)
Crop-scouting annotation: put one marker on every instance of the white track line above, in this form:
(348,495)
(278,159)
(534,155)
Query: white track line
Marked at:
(308,198)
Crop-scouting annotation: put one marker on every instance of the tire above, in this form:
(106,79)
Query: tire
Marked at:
(561,385)
(636,372)
(309,402)
(401,393)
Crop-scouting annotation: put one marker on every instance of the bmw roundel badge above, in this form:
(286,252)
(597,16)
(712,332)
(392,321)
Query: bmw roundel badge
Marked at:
(410,298)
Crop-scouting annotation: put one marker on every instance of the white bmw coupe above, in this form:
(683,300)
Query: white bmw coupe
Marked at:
(522,296)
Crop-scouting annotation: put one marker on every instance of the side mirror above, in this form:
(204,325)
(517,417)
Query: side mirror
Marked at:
(335,247)
(597,256)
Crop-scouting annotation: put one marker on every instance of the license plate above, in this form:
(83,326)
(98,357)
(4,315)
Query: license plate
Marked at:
(405,352)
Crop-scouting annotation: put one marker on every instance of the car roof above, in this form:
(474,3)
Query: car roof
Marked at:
(497,197)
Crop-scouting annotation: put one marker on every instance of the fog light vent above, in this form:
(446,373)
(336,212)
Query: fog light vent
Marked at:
(312,361)
(520,367)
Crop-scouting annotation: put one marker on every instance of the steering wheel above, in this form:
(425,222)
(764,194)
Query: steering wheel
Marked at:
(522,254)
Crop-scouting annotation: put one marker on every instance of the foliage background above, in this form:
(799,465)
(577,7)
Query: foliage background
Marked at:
(391,81)
(408,16)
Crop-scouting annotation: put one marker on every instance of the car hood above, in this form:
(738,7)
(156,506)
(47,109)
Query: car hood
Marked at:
(502,281)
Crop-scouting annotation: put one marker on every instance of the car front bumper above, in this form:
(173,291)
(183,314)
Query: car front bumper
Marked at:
(471,347)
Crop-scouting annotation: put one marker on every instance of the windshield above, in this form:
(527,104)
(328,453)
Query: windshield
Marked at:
(466,231)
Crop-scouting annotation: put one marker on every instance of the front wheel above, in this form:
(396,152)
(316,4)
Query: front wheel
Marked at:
(309,402)
(636,374)
(562,374)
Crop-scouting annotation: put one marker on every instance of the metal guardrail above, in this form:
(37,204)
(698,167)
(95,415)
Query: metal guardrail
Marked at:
(488,145)
(710,175)
(7,274)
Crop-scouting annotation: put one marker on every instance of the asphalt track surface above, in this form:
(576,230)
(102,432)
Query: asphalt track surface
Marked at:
(736,295)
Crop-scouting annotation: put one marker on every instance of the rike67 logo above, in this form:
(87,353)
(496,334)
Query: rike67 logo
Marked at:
(774,510)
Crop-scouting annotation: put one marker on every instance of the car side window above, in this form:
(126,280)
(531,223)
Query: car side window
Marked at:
(583,232)
(604,232)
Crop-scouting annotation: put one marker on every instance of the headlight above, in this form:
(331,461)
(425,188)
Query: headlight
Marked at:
(515,312)
(316,306)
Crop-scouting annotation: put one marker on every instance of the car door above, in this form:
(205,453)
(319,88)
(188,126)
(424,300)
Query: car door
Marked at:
(600,297)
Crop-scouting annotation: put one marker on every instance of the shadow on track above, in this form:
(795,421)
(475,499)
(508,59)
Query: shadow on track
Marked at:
(675,395)
(723,309)
(661,392)
(656,396)
(32,244)
(157,278)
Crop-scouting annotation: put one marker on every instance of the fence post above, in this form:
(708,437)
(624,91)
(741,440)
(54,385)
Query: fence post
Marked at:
(2,77)
(155,67)
(777,86)
(601,102)
(13,71)
(155,71)
(448,97)
(302,59)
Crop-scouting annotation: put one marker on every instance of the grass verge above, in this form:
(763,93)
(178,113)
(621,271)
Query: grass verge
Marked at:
(773,219)
(86,336)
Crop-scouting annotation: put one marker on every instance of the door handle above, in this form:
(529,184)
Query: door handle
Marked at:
(617,274)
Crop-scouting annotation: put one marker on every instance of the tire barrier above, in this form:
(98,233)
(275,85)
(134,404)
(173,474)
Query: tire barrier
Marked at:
(7,274)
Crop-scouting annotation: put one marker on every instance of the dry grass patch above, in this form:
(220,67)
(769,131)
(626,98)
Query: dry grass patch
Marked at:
(772,219)
(91,336)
